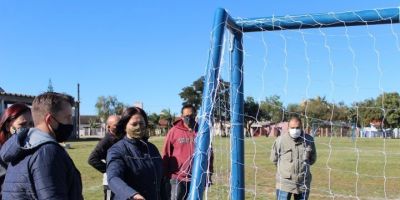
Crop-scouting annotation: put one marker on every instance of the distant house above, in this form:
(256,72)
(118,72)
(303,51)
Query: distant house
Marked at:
(268,129)
(91,126)
(164,126)
(7,99)
(332,128)
(376,130)
(396,133)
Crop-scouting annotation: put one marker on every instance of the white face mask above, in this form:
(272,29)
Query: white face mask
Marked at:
(294,133)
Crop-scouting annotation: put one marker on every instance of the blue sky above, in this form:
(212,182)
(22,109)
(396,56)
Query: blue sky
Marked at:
(149,50)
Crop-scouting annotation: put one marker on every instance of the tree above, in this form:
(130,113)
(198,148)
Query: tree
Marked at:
(293,109)
(366,111)
(272,109)
(193,95)
(93,123)
(390,104)
(153,122)
(50,86)
(153,119)
(166,114)
(342,113)
(251,113)
(107,106)
(316,110)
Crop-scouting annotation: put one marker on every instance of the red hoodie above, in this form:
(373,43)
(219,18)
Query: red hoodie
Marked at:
(178,152)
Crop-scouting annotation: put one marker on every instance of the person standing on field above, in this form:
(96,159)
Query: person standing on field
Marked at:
(293,154)
(98,157)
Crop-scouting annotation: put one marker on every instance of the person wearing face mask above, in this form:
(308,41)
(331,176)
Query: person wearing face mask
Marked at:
(134,165)
(97,159)
(293,154)
(178,153)
(15,118)
(39,167)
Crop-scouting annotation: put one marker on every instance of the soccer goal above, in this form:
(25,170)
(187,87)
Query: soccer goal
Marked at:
(335,70)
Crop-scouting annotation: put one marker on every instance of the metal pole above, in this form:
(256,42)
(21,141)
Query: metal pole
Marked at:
(210,84)
(237,109)
(324,20)
(78,117)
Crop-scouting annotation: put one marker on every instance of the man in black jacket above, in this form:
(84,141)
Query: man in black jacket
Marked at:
(97,158)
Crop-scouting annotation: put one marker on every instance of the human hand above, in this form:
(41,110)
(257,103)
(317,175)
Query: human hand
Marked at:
(138,197)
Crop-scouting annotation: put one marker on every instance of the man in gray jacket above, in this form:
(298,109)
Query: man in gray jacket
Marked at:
(293,153)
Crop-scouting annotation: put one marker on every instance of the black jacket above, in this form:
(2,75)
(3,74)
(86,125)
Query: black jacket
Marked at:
(99,154)
(134,166)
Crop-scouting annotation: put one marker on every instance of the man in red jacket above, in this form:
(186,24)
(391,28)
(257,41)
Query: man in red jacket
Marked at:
(178,154)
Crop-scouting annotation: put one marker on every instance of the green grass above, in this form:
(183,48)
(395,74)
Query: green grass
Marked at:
(334,173)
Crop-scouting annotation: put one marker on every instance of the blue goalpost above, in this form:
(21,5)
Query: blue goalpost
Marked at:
(223,21)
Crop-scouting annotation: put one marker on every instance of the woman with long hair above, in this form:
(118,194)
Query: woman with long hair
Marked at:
(14,118)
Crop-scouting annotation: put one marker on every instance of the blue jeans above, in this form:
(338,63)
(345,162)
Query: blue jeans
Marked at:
(282,195)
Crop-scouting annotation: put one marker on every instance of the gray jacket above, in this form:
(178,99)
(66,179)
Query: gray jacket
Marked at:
(293,158)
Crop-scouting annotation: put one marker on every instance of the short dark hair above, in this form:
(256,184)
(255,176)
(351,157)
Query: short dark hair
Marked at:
(295,118)
(49,102)
(126,116)
(185,106)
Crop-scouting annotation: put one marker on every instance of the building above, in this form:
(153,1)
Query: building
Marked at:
(268,129)
(7,99)
(91,126)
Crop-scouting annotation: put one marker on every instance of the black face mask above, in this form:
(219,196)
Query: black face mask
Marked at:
(189,121)
(63,131)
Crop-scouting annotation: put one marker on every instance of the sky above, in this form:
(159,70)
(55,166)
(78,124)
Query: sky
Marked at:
(147,51)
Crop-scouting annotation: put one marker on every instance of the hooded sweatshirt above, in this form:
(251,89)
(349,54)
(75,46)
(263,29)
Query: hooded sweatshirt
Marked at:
(39,168)
(178,152)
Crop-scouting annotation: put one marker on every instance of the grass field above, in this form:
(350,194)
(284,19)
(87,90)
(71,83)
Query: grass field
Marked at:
(366,168)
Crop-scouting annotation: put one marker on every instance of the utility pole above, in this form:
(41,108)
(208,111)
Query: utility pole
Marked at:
(77,111)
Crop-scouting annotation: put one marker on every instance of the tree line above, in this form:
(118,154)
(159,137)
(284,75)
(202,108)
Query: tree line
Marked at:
(313,110)
(384,107)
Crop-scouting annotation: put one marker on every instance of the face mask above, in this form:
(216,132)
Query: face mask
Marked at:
(63,131)
(138,132)
(189,121)
(294,133)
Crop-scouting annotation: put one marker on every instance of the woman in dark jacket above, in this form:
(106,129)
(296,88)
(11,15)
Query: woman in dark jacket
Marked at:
(134,166)
(16,117)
